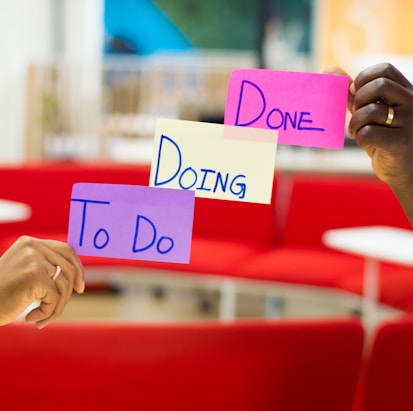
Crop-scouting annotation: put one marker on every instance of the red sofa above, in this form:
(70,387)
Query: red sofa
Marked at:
(320,202)
(224,233)
(279,242)
(309,365)
(386,375)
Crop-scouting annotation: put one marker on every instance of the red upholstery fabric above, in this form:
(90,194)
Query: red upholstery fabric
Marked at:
(388,377)
(319,202)
(47,188)
(326,201)
(395,285)
(224,233)
(303,265)
(288,366)
(281,241)
(208,256)
(237,220)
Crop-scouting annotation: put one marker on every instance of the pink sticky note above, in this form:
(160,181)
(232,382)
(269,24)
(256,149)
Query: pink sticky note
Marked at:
(306,109)
(132,222)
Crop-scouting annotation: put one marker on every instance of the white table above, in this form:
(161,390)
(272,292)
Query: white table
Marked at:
(13,211)
(375,244)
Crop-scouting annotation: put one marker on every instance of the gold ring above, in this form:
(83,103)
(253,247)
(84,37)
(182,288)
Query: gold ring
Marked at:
(57,273)
(390,116)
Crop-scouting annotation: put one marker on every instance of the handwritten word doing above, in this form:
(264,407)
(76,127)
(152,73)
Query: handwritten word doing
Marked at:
(275,118)
(204,179)
(101,237)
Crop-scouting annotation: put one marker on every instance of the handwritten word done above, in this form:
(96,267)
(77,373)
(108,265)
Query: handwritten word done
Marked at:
(275,118)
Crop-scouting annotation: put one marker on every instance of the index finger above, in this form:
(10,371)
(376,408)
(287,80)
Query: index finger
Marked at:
(340,72)
(381,70)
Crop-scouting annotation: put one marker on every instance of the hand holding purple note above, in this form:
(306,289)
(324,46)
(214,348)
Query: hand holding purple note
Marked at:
(132,222)
(306,109)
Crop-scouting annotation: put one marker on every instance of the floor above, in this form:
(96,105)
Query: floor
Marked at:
(162,297)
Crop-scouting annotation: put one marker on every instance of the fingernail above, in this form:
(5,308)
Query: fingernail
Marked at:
(352,88)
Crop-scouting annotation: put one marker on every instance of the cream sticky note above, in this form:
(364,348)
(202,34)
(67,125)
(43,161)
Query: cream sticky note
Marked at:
(307,109)
(216,161)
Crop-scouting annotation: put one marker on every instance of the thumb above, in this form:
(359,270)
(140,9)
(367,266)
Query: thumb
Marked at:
(338,71)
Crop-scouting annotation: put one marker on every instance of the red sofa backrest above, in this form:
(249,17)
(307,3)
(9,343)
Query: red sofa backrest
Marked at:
(319,202)
(284,365)
(46,187)
(238,220)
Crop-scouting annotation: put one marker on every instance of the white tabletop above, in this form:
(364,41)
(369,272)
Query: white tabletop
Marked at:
(394,245)
(13,211)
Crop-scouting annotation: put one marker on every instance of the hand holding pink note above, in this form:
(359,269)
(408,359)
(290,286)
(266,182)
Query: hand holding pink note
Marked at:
(306,109)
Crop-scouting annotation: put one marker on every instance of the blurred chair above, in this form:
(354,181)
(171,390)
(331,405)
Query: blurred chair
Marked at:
(63,109)
(387,379)
(257,365)
(74,110)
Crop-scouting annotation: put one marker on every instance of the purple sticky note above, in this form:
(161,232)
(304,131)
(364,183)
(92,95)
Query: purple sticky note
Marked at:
(306,109)
(132,222)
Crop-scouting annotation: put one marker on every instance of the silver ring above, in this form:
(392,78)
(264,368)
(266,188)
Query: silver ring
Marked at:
(57,273)
(390,116)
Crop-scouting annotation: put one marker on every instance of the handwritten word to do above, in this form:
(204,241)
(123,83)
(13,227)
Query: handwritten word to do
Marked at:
(132,222)
(215,161)
(307,109)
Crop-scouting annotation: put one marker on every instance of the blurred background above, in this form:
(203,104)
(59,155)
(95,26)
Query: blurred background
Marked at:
(87,78)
